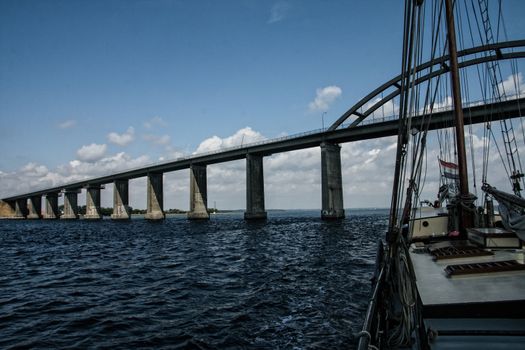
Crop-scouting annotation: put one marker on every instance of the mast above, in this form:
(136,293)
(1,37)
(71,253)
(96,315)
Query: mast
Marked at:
(464,215)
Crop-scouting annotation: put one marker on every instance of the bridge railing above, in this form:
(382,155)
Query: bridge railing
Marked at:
(222,150)
(303,134)
(273,140)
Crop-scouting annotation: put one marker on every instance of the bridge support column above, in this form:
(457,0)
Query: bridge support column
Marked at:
(155,210)
(121,200)
(254,188)
(20,208)
(93,203)
(70,205)
(51,206)
(331,182)
(35,207)
(198,193)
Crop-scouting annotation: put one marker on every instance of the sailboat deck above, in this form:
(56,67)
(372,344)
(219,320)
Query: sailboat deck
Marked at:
(479,334)
(435,288)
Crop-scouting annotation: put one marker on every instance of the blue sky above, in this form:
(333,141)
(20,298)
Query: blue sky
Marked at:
(131,82)
(207,68)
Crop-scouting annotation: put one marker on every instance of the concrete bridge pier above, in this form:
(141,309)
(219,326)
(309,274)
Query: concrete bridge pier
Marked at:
(35,207)
(20,208)
(121,200)
(51,206)
(93,203)
(155,210)
(70,204)
(198,193)
(331,182)
(254,188)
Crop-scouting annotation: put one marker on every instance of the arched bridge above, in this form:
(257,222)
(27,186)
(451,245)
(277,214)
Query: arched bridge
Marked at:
(28,205)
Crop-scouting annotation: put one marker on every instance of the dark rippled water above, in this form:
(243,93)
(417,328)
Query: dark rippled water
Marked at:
(293,282)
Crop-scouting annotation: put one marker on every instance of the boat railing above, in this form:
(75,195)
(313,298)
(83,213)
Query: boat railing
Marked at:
(365,336)
(368,334)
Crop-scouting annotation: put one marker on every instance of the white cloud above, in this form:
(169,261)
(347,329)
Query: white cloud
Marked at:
(291,179)
(33,169)
(242,137)
(279,11)
(324,98)
(155,121)
(373,154)
(389,108)
(171,153)
(392,146)
(67,124)
(32,176)
(122,139)
(103,166)
(162,140)
(92,152)
(473,135)
(513,85)
(446,103)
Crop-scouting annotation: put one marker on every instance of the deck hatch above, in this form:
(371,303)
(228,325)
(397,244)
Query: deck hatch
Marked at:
(453,252)
(483,267)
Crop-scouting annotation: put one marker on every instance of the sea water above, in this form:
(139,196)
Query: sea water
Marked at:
(292,282)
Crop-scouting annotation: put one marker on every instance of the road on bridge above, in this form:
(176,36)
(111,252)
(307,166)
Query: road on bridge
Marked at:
(473,115)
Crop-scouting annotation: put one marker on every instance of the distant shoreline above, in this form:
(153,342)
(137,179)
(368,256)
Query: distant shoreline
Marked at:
(177,212)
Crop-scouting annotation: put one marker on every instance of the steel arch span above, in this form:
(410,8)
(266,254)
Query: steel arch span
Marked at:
(493,52)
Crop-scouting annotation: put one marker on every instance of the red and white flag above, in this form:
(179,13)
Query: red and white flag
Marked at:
(450,170)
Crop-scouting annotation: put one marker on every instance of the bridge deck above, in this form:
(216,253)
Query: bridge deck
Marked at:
(473,115)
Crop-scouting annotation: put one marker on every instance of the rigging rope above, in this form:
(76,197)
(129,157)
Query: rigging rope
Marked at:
(499,94)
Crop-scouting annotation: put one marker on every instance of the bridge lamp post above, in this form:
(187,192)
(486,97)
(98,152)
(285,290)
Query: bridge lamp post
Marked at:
(322,119)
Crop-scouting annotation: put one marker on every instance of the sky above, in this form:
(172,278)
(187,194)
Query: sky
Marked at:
(94,87)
